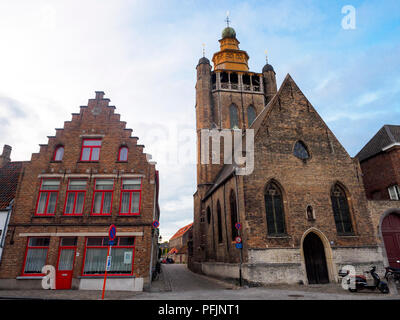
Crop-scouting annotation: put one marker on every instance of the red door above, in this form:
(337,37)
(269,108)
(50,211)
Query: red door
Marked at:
(391,238)
(65,267)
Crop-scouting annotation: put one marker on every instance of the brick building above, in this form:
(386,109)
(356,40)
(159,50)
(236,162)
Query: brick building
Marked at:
(303,209)
(179,244)
(9,176)
(380,165)
(91,174)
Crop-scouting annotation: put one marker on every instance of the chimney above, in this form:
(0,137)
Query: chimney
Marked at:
(5,156)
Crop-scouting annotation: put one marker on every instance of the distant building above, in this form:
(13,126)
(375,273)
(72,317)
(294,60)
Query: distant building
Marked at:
(179,244)
(9,175)
(380,165)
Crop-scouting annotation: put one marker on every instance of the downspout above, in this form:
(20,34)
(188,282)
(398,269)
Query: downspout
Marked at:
(239,232)
(152,238)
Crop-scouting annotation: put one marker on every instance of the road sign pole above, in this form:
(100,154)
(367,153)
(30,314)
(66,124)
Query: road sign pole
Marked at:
(105,273)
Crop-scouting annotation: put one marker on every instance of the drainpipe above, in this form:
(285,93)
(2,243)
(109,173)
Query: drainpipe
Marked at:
(239,232)
(3,236)
(152,237)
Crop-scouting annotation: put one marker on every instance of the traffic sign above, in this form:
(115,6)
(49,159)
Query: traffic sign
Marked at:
(156,224)
(238,225)
(238,240)
(112,232)
(239,245)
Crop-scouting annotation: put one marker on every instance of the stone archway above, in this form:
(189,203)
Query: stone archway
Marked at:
(322,245)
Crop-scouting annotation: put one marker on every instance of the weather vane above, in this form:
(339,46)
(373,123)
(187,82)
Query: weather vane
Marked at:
(227,18)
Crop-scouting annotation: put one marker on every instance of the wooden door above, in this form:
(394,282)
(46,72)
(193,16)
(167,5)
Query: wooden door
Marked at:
(314,255)
(391,238)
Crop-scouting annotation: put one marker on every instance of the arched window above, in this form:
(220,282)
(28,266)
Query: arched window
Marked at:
(341,210)
(123,154)
(232,202)
(300,151)
(208,215)
(219,220)
(58,153)
(274,209)
(251,115)
(234,117)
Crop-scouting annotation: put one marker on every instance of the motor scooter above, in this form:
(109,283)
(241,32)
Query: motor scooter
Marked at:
(361,282)
(394,272)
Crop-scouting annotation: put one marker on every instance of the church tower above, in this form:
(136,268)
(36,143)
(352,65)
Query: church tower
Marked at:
(230,96)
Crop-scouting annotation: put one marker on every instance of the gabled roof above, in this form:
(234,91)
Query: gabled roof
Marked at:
(9,175)
(181,231)
(388,135)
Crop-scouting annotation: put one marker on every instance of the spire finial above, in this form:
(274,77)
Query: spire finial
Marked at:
(266,56)
(227,19)
(204,49)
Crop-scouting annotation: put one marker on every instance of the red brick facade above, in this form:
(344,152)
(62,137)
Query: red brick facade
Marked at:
(95,121)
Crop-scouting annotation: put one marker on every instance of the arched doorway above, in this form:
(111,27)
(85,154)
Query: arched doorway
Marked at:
(315,260)
(391,237)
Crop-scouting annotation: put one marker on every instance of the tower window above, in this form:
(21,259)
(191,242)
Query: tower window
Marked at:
(300,151)
(58,153)
(234,117)
(219,220)
(251,115)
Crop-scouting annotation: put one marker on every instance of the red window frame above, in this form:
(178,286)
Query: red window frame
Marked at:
(47,199)
(73,213)
(26,255)
(119,153)
(56,151)
(105,246)
(102,198)
(130,191)
(91,149)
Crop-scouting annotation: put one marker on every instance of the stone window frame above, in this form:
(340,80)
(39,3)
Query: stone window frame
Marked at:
(303,144)
(350,209)
(284,210)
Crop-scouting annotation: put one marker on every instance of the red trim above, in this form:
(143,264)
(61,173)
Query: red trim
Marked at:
(91,149)
(104,247)
(26,254)
(73,213)
(102,198)
(119,154)
(47,198)
(130,191)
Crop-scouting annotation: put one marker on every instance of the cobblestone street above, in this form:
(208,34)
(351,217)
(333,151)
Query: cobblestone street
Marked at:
(176,282)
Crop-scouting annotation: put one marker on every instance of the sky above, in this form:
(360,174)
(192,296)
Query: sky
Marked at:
(143,54)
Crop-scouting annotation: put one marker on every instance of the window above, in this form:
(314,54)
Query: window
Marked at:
(123,154)
(300,151)
(394,193)
(341,211)
(251,115)
(274,209)
(232,201)
(310,213)
(48,195)
(91,150)
(122,254)
(130,197)
(219,222)
(234,117)
(75,198)
(35,256)
(102,198)
(58,153)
